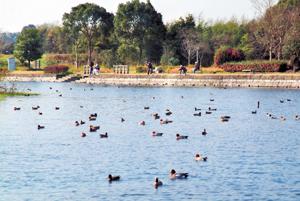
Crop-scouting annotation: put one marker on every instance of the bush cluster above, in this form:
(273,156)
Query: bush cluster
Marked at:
(229,55)
(56,69)
(141,69)
(278,66)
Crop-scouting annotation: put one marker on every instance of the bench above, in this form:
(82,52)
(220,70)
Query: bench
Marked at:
(249,71)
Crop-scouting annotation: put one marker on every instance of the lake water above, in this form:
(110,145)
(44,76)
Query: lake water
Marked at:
(251,157)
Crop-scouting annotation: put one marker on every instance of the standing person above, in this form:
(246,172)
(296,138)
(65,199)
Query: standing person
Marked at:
(197,67)
(149,67)
(182,70)
(96,69)
(91,68)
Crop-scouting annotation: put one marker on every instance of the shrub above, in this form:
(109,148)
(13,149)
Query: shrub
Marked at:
(229,55)
(141,69)
(173,61)
(261,66)
(56,69)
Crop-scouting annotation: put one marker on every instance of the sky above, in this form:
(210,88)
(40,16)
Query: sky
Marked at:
(15,14)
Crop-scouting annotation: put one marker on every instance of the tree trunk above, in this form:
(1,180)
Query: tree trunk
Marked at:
(28,63)
(76,44)
(140,55)
(197,55)
(189,57)
(271,52)
(90,53)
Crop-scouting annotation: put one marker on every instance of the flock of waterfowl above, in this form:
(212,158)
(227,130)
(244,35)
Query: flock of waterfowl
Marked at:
(173,173)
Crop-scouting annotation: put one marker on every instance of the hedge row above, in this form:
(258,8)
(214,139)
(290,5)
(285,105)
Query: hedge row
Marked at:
(278,66)
(229,55)
(56,69)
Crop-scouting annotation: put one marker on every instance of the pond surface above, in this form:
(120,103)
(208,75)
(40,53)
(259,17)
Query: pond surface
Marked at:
(250,157)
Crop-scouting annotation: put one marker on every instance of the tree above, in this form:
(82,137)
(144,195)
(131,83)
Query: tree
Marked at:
(139,24)
(28,46)
(90,19)
(190,44)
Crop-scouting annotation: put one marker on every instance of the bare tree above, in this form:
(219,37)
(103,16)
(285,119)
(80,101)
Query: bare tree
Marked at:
(190,44)
(261,6)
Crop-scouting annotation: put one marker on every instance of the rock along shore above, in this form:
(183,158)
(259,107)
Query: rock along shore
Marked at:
(198,80)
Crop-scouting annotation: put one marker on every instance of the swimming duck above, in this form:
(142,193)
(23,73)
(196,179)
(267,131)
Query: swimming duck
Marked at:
(95,127)
(124,101)
(168,113)
(91,89)
(197,109)
(200,158)
(204,132)
(50,87)
(161,121)
(146,108)
(82,122)
(268,115)
(206,112)
(81,106)
(92,119)
(92,130)
(83,134)
(281,101)
(254,112)
(288,99)
(273,117)
(56,108)
(60,95)
(167,110)
(93,115)
(181,136)
(210,94)
(211,109)
(40,127)
(76,123)
(35,108)
(211,100)
(296,117)
(17,108)
(122,119)
(115,178)
(70,88)
(141,123)
(40,113)
(181,96)
(156,134)
(103,135)
(225,117)
(174,175)
(152,97)
(157,182)
(169,121)
(224,120)
(56,90)
(282,119)
(156,116)
(198,114)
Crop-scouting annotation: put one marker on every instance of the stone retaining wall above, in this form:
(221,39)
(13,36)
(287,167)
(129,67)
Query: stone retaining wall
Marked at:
(228,80)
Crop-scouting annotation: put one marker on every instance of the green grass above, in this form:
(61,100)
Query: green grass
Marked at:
(3,94)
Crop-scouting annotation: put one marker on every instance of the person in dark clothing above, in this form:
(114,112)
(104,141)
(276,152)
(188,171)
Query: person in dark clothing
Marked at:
(91,68)
(197,67)
(182,70)
(149,67)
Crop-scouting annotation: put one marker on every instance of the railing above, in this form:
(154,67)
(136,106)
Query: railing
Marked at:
(119,69)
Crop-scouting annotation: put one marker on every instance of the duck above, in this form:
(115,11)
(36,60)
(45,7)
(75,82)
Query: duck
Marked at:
(225,117)
(103,135)
(70,88)
(93,115)
(254,112)
(224,120)
(268,115)
(60,95)
(91,89)
(81,106)
(156,116)
(17,108)
(174,175)
(181,96)
(210,94)
(181,136)
(92,119)
(296,117)
(198,114)
(146,108)
(281,101)
(206,112)
(56,90)
(169,121)
(273,117)
(211,100)
(156,134)
(40,113)
(115,178)
(152,97)
(95,127)
(204,132)
(92,130)
(76,123)
(82,122)
(40,127)
(157,182)
(161,121)
(124,101)
(288,99)
(50,87)
(141,123)
(168,113)
(211,109)
(196,109)
(282,119)
(122,119)
(35,108)
(167,110)
(83,134)
(200,158)
(56,108)
(27,95)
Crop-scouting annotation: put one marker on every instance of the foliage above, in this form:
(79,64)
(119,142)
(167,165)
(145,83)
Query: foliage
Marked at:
(266,66)
(173,61)
(138,23)
(127,53)
(28,46)
(229,55)
(55,69)
(141,69)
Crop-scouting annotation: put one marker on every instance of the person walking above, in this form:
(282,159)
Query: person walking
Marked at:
(197,67)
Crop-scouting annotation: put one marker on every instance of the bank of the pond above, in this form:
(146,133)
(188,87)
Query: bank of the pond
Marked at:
(217,80)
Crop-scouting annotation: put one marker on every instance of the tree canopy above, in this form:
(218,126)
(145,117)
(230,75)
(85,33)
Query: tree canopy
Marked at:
(28,46)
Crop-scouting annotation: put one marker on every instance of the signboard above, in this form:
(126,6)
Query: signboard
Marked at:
(11,64)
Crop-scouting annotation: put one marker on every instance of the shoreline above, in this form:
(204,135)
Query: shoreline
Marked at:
(189,80)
